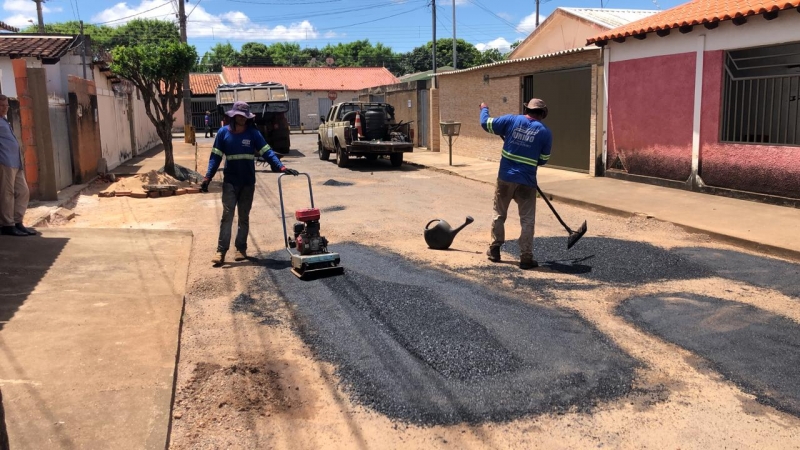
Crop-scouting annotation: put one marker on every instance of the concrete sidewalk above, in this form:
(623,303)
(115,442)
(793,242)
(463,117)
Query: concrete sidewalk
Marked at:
(758,226)
(89,331)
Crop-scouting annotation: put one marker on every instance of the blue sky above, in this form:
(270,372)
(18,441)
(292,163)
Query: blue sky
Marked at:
(400,24)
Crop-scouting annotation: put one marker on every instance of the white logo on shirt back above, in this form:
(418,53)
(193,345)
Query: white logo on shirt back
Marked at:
(246,142)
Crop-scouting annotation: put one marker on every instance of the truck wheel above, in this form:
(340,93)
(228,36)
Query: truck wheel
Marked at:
(372,157)
(396,159)
(341,156)
(323,154)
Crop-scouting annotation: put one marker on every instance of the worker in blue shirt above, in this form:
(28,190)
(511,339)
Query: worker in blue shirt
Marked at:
(526,146)
(240,142)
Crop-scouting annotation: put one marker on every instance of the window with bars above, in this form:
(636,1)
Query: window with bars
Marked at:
(761,96)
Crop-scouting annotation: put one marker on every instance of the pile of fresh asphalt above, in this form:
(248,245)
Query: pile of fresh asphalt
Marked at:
(755,349)
(425,347)
(609,260)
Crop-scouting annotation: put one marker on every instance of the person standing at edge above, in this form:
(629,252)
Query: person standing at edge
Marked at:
(526,145)
(207,120)
(14,193)
(239,141)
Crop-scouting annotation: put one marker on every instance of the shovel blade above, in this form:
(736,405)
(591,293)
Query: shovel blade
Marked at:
(576,235)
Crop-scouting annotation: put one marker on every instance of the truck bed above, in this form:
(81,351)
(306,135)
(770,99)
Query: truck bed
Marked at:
(380,147)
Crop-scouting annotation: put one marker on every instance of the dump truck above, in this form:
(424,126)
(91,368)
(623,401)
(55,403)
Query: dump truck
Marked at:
(363,129)
(269,102)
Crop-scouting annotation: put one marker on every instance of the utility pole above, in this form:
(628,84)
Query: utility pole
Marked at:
(433,55)
(187,94)
(39,13)
(455,58)
(83,51)
(537,13)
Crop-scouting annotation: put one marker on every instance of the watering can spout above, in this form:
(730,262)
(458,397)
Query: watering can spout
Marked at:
(441,235)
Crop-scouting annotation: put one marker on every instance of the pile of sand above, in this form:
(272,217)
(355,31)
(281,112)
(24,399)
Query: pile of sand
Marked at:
(136,182)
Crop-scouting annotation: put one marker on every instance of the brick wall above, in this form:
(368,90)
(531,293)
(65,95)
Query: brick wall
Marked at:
(309,104)
(500,86)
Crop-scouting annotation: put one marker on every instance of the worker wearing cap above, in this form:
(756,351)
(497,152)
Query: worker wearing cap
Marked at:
(526,146)
(240,142)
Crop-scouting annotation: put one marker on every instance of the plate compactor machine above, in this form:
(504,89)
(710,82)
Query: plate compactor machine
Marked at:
(311,257)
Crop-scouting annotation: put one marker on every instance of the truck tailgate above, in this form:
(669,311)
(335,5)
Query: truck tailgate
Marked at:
(381,147)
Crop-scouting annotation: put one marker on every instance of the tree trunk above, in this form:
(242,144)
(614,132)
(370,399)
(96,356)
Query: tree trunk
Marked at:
(4,445)
(169,160)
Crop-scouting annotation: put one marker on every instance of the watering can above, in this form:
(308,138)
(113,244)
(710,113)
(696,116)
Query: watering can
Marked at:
(441,235)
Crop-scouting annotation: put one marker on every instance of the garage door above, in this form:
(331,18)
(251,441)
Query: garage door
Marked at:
(568,94)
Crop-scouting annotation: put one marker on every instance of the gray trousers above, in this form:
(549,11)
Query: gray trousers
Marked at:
(525,197)
(240,198)
(14,195)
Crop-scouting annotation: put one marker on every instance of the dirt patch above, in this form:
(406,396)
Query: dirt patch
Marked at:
(225,397)
(332,182)
(135,183)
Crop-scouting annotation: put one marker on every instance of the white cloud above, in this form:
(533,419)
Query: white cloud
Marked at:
(147,9)
(231,25)
(528,24)
(506,16)
(25,11)
(500,43)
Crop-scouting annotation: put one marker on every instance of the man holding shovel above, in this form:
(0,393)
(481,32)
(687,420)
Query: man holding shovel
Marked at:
(526,146)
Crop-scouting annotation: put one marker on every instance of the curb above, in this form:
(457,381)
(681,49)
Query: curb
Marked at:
(46,218)
(748,244)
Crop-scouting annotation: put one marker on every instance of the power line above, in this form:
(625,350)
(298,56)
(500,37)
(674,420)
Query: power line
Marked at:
(137,14)
(195,6)
(284,3)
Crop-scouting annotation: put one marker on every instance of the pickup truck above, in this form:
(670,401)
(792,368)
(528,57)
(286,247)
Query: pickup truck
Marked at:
(378,134)
(269,102)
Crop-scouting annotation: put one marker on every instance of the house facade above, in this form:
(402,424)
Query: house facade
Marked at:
(707,97)
(554,64)
(312,90)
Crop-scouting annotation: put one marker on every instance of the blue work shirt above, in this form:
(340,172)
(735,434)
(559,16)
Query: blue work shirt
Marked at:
(240,151)
(10,155)
(526,145)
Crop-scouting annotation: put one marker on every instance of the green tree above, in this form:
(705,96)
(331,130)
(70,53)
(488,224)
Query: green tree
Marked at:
(158,71)
(255,54)
(419,59)
(100,35)
(145,31)
(491,55)
(287,54)
(220,55)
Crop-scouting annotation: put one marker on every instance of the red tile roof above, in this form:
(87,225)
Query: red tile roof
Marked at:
(313,78)
(204,83)
(696,12)
(46,47)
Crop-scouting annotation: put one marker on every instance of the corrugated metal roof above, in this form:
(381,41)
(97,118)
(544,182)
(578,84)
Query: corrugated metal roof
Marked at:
(610,18)
(697,12)
(204,83)
(35,45)
(530,58)
(313,78)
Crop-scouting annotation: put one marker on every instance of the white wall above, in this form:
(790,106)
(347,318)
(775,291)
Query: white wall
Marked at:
(562,32)
(756,32)
(116,124)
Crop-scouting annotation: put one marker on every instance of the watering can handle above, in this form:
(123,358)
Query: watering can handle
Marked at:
(429,223)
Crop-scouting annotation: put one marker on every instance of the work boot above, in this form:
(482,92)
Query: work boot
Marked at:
(12,231)
(493,253)
(219,258)
(24,229)
(241,255)
(527,262)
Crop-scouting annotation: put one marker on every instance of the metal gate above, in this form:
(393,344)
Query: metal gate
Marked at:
(294,112)
(324,107)
(62,156)
(569,94)
(423,117)
(199,108)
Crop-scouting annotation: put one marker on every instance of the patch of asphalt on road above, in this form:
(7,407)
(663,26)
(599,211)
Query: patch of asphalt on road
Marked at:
(756,270)
(609,260)
(424,347)
(333,208)
(333,182)
(757,350)
(246,304)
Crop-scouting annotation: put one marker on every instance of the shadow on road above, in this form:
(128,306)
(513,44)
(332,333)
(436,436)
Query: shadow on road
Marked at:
(754,348)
